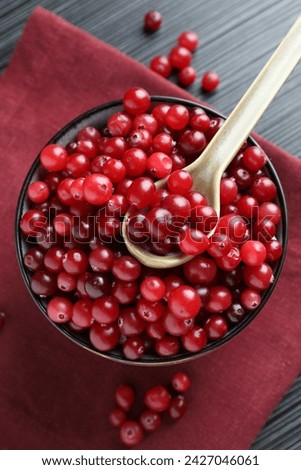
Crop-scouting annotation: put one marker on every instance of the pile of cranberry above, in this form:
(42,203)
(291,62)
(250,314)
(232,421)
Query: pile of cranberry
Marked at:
(180,57)
(77,257)
(157,400)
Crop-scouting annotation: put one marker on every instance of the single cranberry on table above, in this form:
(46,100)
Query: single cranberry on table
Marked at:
(131,433)
(210,81)
(54,157)
(117,417)
(2,319)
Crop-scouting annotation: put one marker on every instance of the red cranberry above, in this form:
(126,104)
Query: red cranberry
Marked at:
(163,142)
(220,299)
(199,121)
(274,250)
(271,211)
(176,326)
(177,117)
(258,277)
(105,309)
(229,191)
(141,192)
(210,81)
(75,262)
(178,407)
(82,313)
(97,189)
(200,270)
(235,313)
(54,157)
(184,302)
(180,182)
(43,283)
(254,158)
(195,339)
(125,397)
(114,147)
(234,226)
(192,143)
(130,323)
(33,258)
(88,148)
(167,346)
(150,420)
(193,242)
(159,165)
(136,100)
(187,76)
(119,124)
(89,133)
(204,217)
(117,417)
(219,245)
(124,292)
(216,327)
(253,253)
(126,268)
(38,192)
(33,222)
(152,288)
(161,65)
(146,121)
(250,299)
(135,161)
(133,348)
(150,311)
(189,39)
(152,20)
(180,57)
(159,112)
(180,382)
(104,337)
(229,261)
(263,189)
(59,310)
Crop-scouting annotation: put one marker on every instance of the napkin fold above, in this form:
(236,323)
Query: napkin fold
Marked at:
(53,394)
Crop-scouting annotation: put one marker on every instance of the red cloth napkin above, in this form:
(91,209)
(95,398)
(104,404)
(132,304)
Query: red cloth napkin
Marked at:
(54,395)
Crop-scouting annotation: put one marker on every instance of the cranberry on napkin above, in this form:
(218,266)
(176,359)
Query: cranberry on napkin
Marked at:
(54,395)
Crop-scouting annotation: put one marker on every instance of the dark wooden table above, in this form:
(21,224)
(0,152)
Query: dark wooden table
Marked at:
(237,37)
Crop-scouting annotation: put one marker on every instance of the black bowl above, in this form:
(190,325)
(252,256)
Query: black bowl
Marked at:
(97,117)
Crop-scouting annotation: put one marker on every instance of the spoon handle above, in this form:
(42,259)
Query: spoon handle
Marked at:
(252,105)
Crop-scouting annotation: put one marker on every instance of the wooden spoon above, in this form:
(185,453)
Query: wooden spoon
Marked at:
(208,168)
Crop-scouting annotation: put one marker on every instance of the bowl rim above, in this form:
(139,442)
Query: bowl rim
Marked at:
(113,355)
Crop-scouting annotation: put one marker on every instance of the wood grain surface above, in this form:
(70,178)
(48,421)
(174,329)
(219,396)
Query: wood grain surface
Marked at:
(237,38)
